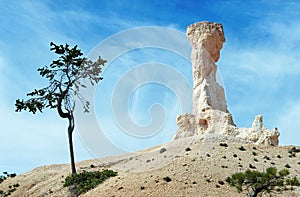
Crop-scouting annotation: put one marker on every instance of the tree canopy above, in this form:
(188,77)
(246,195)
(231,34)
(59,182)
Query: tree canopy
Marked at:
(67,76)
(256,182)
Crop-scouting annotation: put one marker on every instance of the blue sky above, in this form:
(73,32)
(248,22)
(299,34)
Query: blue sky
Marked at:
(259,66)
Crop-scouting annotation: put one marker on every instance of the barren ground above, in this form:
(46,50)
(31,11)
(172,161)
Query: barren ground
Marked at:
(194,172)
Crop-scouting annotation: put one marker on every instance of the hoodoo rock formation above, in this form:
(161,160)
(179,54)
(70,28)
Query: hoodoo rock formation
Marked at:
(210,114)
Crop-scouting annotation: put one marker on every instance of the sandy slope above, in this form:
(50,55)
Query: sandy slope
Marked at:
(194,172)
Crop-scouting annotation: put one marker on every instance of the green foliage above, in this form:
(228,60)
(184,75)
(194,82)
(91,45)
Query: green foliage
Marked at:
(284,172)
(293,182)
(65,76)
(85,181)
(257,182)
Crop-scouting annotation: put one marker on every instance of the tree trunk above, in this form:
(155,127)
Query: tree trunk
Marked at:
(70,117)
(70,132)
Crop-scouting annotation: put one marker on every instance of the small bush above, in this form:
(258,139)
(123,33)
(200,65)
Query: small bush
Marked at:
(11,188)
(254,153)
(167,179)
(294,150)
(259,182)
(188,149)
(278,156)
(7,175)
(85,181)
(162,150)
(293,182)
(224,145)
(221,182)
(224,166)
(287,166)
(255,160)
(242,148)
(234,155)
(251,166)
(266,157)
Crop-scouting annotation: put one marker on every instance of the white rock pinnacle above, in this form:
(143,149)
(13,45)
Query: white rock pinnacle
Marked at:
(207,40)
(210,113)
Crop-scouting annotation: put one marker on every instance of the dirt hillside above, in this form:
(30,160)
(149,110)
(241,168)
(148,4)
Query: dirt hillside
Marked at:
(196,167)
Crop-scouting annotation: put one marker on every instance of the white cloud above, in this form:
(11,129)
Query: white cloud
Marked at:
(289,124)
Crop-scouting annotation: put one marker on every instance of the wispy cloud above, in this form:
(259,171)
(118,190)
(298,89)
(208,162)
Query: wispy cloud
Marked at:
(260,64)
(289,124)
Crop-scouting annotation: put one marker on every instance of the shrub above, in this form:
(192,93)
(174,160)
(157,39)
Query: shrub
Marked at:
(294,150)
(11,188)
(224,145)
(242,148)
(258,182)
(266,157)
(293,182)
(167,179)
(254,153)
(85,181)
(187,149)
(287,166)
(162,150)
(221,182)
(251,166)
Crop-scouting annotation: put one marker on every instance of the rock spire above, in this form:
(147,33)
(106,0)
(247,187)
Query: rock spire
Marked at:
(210,114)
(207,39)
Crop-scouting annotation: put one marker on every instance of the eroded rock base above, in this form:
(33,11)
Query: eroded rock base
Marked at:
(221,123)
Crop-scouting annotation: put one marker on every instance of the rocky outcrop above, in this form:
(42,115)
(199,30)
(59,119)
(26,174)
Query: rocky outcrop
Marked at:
(210,114)
(207,40)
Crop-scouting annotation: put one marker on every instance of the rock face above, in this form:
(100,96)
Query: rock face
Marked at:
(210,114)
(207,40)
